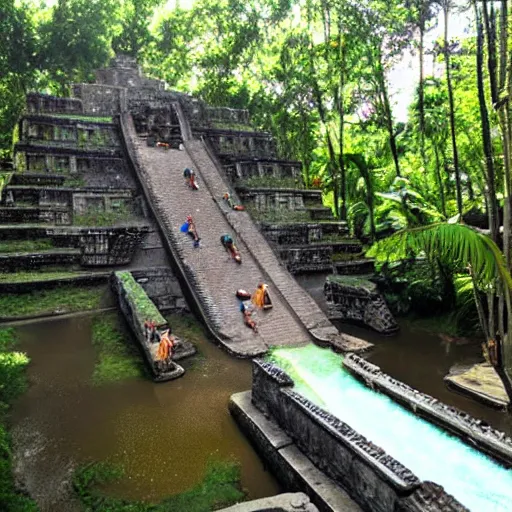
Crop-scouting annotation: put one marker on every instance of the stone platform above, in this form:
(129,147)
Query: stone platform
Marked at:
(480,382)
(289,502)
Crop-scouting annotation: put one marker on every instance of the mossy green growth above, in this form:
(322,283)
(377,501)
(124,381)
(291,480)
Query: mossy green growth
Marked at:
(219,488)
(38,244)
(143,306)
(279,215)
(352,281)
(98,217)
(5,178)
(85,119)
(271,182)
(117,358)
(63,299)
(34,276)
(12,384)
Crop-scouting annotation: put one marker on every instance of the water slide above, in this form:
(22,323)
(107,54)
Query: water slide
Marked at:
(475,480)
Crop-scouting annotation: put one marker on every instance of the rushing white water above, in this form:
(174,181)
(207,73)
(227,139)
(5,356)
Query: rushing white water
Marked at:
(477,481)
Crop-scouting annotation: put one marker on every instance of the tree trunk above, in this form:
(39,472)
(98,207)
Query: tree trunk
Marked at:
(492,209)
(421,92)
(387,111)
(341,112)
(458,184)
(439,180)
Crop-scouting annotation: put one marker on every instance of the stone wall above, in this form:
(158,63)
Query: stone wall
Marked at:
(39,103)
(101,100)
(64,132)
(101,246)
(163,288)
(224,115)
(357,300)
(265,167)
(458,422)
(373,478)
(270,198)
(230,145)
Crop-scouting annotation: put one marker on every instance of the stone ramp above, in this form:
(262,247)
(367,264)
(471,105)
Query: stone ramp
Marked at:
(241,223)
(215,275)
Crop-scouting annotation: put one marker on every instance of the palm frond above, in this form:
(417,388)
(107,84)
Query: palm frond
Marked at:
(457,244)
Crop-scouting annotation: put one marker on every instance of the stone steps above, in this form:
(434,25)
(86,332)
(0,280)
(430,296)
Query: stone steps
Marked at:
(61,257)
(217,278)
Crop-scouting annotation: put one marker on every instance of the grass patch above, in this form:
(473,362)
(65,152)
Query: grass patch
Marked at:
(12,384)
(219,488)
(77,117)
(96,217)
(37,244)
(237,127)
(29,276)
(347,256)
(271,182)
(62,299)
(74,182)
(279,215)
(344,239)
(117,359)
(144,307)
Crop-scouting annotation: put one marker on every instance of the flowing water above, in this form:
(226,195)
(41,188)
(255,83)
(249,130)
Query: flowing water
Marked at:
(162,434)
(473,478)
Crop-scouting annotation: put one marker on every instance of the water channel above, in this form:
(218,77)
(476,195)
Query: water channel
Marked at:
(162,434)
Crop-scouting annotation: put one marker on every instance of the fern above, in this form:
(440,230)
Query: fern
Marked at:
(457,244)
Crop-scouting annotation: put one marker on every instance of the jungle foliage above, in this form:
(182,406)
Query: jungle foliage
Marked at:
(316,73)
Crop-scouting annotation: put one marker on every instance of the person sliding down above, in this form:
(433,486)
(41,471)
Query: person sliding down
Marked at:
(189,227)
(231,204)
(261,298)
(248,321)
(190,178)
(164,353)
(231,248)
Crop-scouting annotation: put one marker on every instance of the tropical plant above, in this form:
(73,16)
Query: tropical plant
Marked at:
(465,250)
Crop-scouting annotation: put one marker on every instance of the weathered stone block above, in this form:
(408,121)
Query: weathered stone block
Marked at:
(356,299)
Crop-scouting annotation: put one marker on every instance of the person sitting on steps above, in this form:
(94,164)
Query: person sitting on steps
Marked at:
(231,204)
(231,248)
(190,178)
(248,321)
(189,227)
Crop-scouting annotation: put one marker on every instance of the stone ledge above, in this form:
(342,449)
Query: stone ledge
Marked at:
(288,463)
(487,439)
(480,382)
(289,502)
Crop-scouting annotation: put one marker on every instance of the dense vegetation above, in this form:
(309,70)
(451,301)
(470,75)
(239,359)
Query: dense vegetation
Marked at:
(219,488)
(316,74)
(13,383)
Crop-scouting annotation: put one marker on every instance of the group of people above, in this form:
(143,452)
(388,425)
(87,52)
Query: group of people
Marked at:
(166,343)
(260,299)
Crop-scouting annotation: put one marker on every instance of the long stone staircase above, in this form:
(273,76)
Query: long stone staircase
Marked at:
(295,318)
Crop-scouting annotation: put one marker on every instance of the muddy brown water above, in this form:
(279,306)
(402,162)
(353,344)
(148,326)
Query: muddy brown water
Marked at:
(163,434)
(419,358)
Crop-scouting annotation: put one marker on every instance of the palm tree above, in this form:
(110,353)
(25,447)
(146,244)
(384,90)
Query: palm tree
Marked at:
(465,249)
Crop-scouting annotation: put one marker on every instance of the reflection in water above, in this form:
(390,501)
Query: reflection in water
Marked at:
(163,434)
(473,478)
